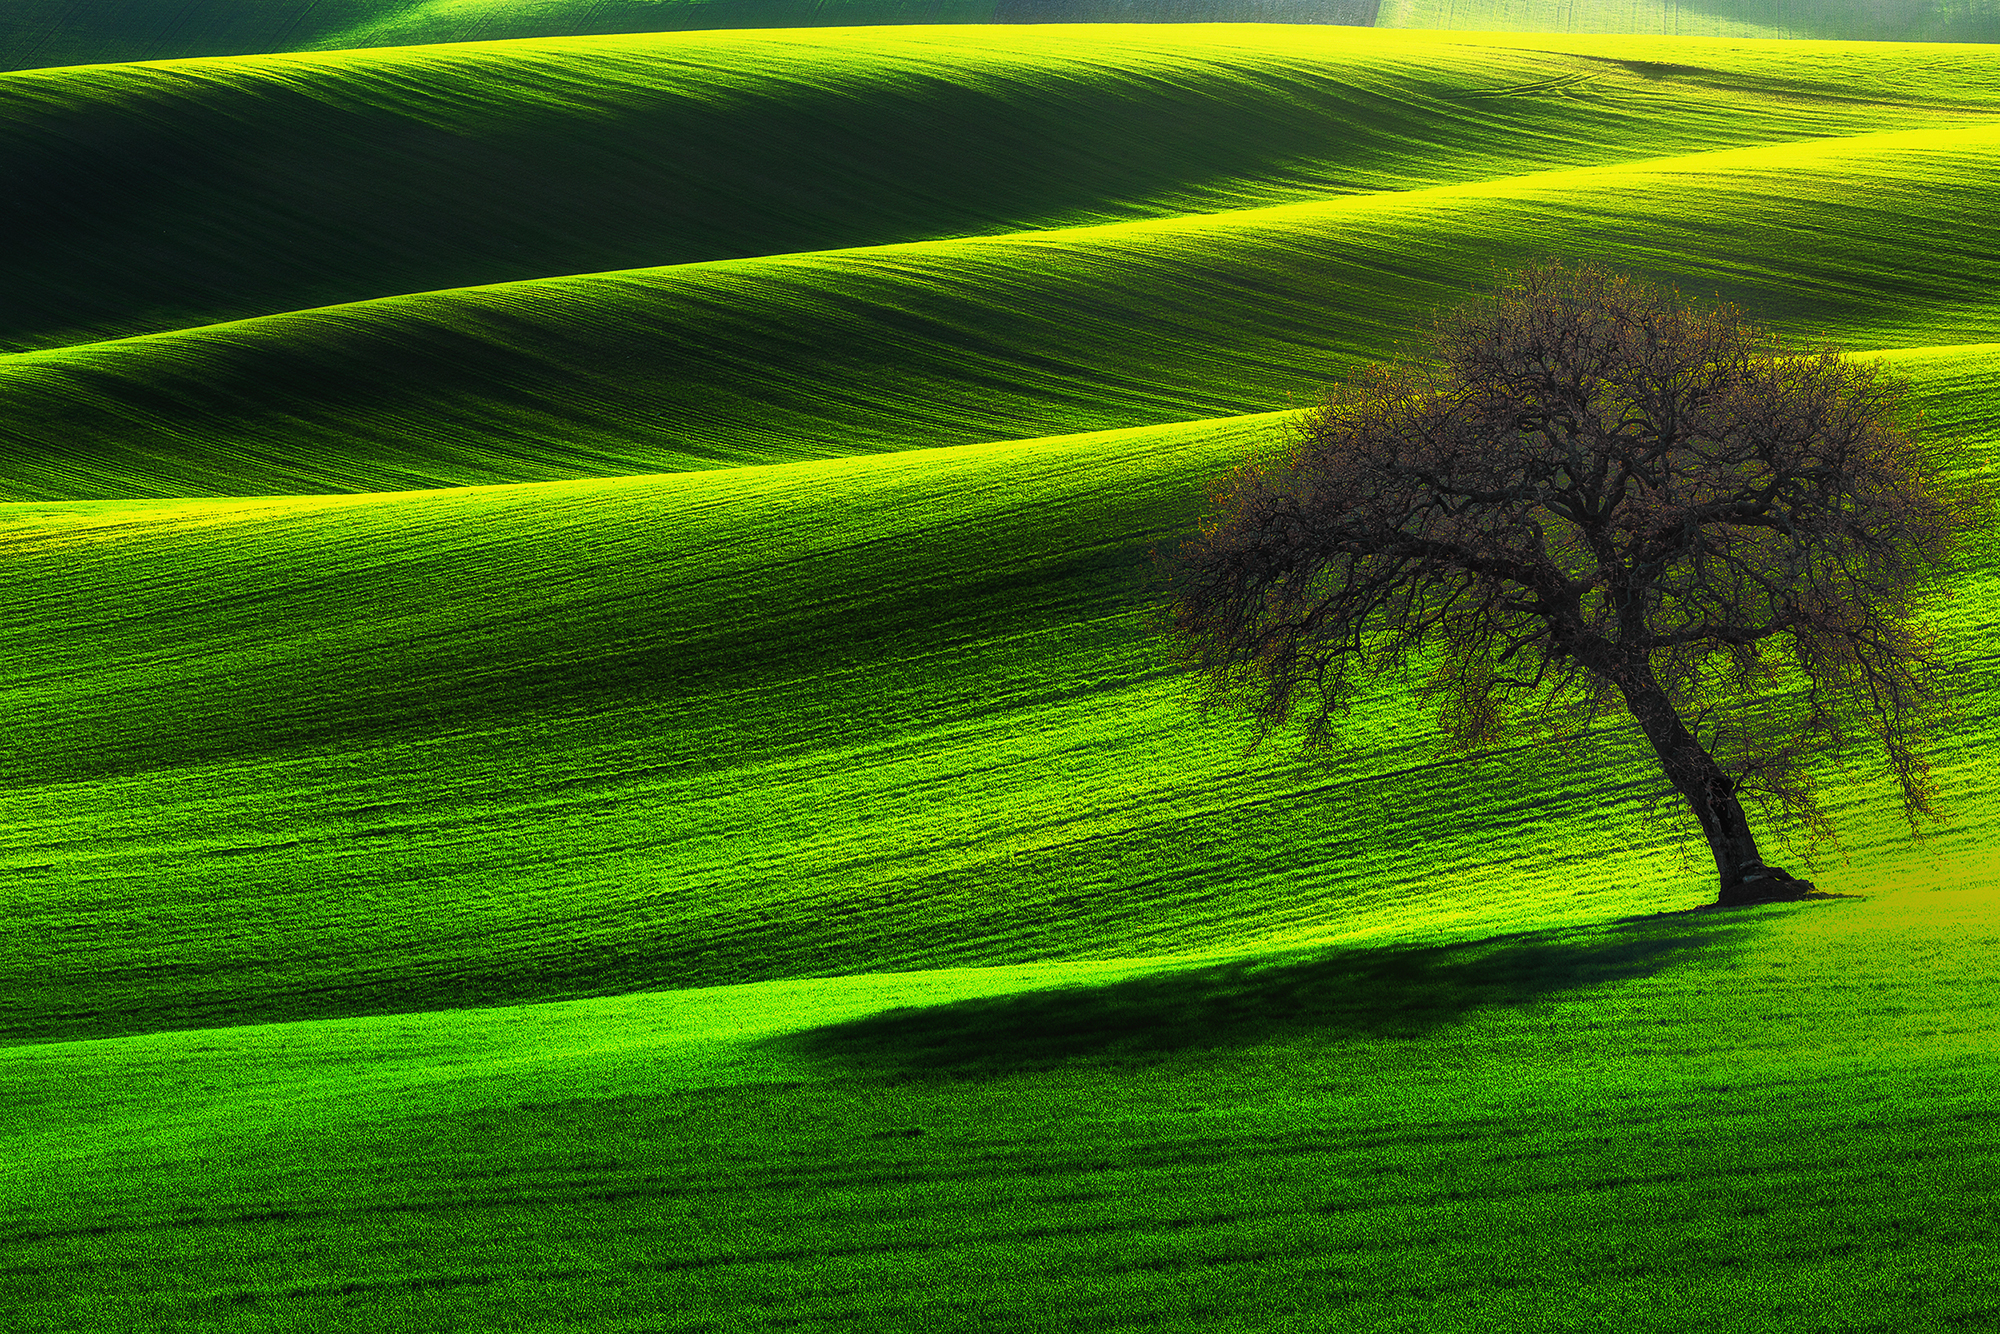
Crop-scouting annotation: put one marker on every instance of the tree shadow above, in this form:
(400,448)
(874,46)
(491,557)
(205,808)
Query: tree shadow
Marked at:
(1703,909)
(1393,991)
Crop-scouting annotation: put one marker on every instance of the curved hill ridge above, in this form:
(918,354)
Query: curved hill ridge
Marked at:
(45,33)
(355,754)
(148,197)
(1885,239)
(1954,21)
(41,33)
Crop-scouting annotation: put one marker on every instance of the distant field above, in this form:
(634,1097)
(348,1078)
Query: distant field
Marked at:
(39,33)
(1838,20)
(43,33)
(189,193)
(583,746)
(1305,199)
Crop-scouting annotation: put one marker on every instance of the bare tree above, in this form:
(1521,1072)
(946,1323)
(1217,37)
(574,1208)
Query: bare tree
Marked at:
(1591,492)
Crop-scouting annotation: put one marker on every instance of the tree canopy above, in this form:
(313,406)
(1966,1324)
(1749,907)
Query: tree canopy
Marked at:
(1588,492)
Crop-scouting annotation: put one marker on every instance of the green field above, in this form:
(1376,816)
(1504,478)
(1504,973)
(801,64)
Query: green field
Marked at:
(1839,20)
(582,746)
(41,33)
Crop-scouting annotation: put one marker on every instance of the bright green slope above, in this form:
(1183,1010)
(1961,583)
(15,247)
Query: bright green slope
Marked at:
(1838,20)
(354,754)
(1782,1119)
(38,33)
(160,196)
(351,754)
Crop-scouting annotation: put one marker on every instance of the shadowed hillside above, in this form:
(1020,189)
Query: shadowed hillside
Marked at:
(954,342)
(42,33)
(400,269)
(155,197)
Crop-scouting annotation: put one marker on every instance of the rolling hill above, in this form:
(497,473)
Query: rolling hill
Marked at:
(155,197)
(1231,270)
(48,33)
(1955,21)
(584,748)
(44,33)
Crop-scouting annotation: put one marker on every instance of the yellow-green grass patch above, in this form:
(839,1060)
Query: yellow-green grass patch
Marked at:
(1941,21)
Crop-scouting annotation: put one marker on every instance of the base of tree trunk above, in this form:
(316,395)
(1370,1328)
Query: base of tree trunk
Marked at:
(1765,884)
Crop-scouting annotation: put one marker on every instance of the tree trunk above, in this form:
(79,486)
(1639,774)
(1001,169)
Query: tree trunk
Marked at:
(1744,875)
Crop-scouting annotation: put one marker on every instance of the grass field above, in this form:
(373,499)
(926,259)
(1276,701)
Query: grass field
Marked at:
(42,33)
(582,746)
(1957,21)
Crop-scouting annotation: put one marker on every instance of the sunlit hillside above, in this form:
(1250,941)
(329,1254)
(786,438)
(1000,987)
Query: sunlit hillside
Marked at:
(46,33)
(1838,20)
(585,746)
